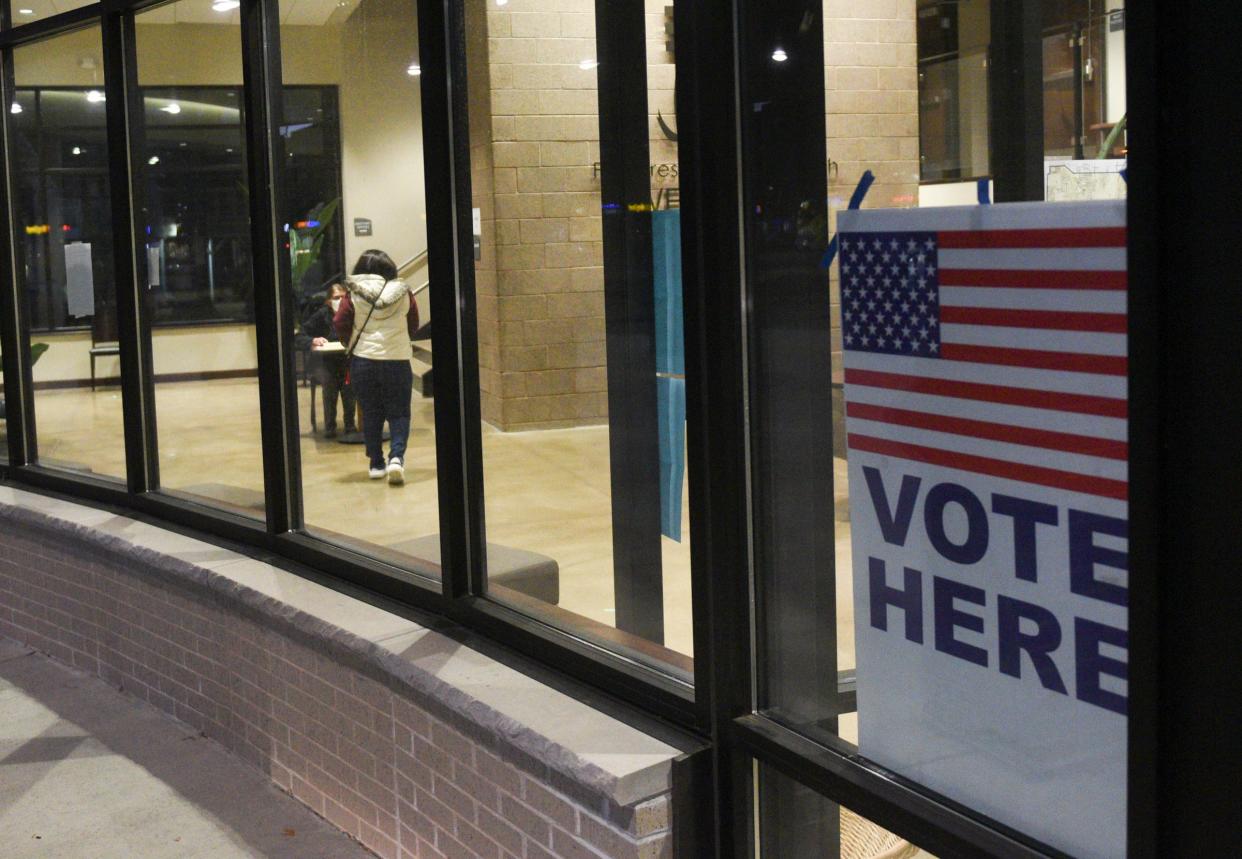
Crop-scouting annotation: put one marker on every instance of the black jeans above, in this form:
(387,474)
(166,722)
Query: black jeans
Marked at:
(332,376)
(383,390)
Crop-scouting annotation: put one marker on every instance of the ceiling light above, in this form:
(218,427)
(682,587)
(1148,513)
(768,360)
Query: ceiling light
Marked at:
(95,96)
(414,70)
(779,55)
(225,5)
(183,144)
(153,160)
(587,65)
(16,108)
(502,2)
(25,11)
(173,108)
(77,150)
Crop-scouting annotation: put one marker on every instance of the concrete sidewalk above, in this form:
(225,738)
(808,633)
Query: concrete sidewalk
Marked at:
(87,771)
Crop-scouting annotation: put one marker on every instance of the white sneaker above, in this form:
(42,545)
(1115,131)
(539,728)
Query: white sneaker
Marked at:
(396,471)
(376,473)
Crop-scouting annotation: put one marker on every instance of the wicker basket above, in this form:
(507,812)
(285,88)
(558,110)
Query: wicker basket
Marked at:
(862,839)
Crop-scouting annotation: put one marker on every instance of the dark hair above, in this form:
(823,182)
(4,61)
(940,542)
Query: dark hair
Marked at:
(376,262)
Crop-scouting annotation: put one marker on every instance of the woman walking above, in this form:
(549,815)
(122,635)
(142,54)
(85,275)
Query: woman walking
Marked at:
(377,319)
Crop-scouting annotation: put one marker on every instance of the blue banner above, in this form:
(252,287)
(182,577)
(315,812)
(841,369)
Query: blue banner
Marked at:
(670,366)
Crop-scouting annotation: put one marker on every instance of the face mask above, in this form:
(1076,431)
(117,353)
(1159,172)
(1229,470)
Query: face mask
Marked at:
(336,304)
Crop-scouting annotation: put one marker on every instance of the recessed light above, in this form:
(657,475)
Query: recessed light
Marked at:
(16,108)
(779,55)
(173,108)
(25,11)
(153,160)
(95,96)
(414,70)
(502,2)
(183,144)
(225,5)
(77,150)
(587,65)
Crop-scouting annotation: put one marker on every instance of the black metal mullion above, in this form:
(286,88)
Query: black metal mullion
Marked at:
(1080,136)
(273,307)
(125,119)
(52,25)
(708,154)
(14,315)
(1016,100)
(629,317)
(454,330)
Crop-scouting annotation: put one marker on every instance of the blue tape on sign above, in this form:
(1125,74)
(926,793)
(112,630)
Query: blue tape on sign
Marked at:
(671,399)
(864,185)
(1125,178)
(985,197)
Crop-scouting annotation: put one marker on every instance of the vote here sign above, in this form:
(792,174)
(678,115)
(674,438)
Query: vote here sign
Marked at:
(986,403)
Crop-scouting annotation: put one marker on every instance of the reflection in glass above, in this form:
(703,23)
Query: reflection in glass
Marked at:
(28,11)
(353,181)
(62,208)
(581,368)
(193,251)
(796,821)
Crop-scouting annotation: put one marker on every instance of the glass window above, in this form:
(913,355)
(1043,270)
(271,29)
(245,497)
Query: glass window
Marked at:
(926,478)
(64,268)
(193,249)
(581,363)
(29,11)
(794,820)
(353,183)
(1084,96)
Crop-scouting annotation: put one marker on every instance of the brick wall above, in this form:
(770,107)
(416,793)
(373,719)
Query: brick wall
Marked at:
(399,771)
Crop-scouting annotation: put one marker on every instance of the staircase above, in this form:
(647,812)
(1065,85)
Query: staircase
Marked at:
(423,381)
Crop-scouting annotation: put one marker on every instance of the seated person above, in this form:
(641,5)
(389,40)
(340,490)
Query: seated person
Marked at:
(330,367)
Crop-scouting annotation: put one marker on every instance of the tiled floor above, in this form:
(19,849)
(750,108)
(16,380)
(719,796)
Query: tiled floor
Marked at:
(546,491)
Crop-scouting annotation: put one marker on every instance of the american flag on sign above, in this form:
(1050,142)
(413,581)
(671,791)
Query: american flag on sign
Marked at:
(1000,352)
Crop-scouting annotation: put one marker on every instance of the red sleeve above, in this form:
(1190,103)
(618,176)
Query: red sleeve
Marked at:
(344,321)
(411,317)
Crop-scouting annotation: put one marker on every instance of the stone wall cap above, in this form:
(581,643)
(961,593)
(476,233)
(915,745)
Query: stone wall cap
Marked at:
(588,747)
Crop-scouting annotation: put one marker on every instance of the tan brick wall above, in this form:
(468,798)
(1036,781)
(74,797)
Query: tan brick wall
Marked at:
(395,769)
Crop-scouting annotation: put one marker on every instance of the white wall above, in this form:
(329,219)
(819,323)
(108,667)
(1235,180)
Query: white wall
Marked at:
(381,130)
(200,349)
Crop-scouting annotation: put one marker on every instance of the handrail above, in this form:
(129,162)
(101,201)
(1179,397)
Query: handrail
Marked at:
(411,262)
(420,289)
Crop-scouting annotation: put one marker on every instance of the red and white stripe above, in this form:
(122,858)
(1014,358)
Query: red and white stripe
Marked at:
(1030,384)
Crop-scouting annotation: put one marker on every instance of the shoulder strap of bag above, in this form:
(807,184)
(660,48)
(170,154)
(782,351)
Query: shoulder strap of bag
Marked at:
(350,353)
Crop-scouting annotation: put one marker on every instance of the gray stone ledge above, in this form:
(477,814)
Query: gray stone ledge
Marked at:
(525,721)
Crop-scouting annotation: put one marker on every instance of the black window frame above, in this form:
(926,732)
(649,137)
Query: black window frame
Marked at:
(1173,430)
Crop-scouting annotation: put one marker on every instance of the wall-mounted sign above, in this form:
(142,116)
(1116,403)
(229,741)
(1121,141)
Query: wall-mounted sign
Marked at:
(476,220)
(362,226)
(986,403)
